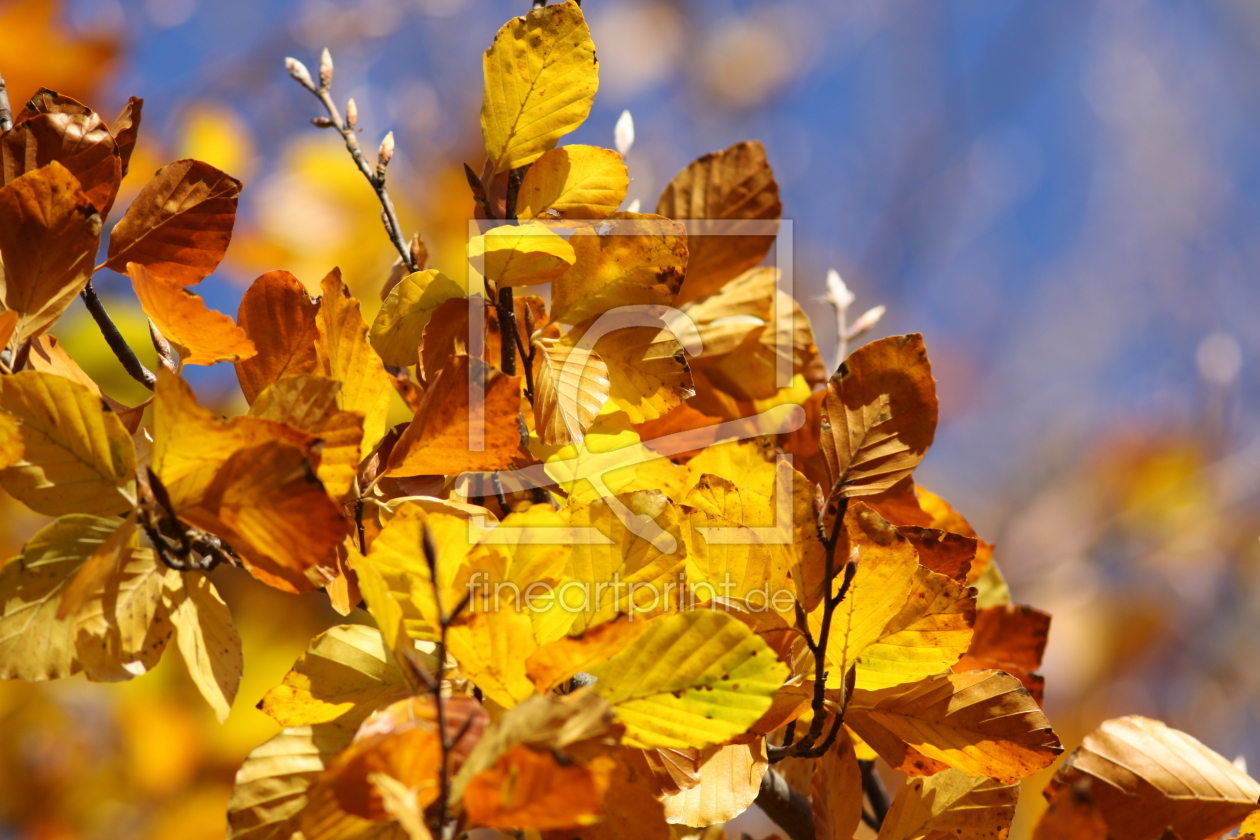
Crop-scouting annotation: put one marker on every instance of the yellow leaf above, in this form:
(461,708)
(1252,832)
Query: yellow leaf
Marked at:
(640,260)
(11,446)
(770,355)
(1146,776)
(345,355)
(403,804)
(573,183)
(647,370)
(268,503)
(692,679)
(207,640)
(49,233)
(736,188)
(491,648)
(528,254)
(570,389)
(180,223)
(201,335)
(309,403)
(730,778)
(747,463)
(837,791)
(880,415)
(279,317)
(729,561)
(120,629)
(951,804)
(540,80)
(99,567)
(983,723)
(346,673)
(562,659)
(446,438)
(77,456)
(399,326)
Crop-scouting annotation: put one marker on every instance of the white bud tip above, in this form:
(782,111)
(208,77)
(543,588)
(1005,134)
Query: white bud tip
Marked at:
(868,320)
(387,148)
(623,133)
(298,71)
(634,206)
(325,68)
(352,113)
(838,293)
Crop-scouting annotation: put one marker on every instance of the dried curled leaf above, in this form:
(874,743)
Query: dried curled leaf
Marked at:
(880,416)
(179,225)
(201,335)
(540,80)
(1146,776)
(49,233)
(734,187)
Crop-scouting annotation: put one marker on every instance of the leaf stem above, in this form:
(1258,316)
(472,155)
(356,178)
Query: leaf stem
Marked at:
(130,362)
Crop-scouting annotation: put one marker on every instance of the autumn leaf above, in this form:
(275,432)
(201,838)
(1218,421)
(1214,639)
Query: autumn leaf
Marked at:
(570,388)
(951,804)
(836,795)
(729,780)
(528,788)
(639,260)
(74,137)
(207,640)
(49,232)
(1073,815)
(119,631)
(528,254)
(99,568)
(1147,776)
(983,723)
(346,673)
(540,80)
(734,186)
(573,184)
(647,369)
(77,456)
(180,223)
(344,354)
(279,317)
(126,128)
(399,326)
(690,680)
(1011,638)
(880,416)
(492,647)
(559,660)
(201,335)
(450,434)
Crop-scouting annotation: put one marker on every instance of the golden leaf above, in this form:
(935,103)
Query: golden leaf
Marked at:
(345,355)
(492,648)
(1147,776)
(442,438)
(734,185)
(641,260)
(179,225)
(690,680)
(951,804)
(779,348)
(528,254)
(49,233)
(119,631)
(201,335)
(71,135)
(100,566)
(562,659)
(207,640)
(531,789)
(837,791)
(573,183)
(730,778)
(647,370)
(399,326)
(540,80)
(570,389)
(77,456)
(983,723)
(346,673)
(880,415)
(279,317)
(1010,638)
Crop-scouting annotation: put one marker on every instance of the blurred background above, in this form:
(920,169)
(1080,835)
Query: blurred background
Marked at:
(1063,197)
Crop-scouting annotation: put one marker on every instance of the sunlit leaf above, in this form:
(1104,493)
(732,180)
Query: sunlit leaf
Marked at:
(207,640)
(570,388)
(399,326)
(1011,638)
(951,804)
(647,370)
(76,138)
(345,355)
(491,647)
(279,317)
(179,225)
(201,335)
(528,254)
(540,80)
(573,183)
(837,791)
(730,778)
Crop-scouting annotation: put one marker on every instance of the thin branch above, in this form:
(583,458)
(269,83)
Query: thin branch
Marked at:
(873,787)
(130,362)
(506,305)
(6,113)
(375,175)
(788,809)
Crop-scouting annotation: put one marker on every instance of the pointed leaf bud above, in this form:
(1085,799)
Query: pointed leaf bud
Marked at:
(623,133)
(352,114)
(386,151)
(325,69)
(868,320)
(838,294)
(299,72)
(634,206)
(321,122)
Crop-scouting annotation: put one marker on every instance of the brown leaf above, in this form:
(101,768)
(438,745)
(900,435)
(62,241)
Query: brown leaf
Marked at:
(942,552)
(49,233)
(879,416)
(1146,776)
(1072,815)
(951,804)
(279,317)
(1010,638)
(837,791)
(125,128)
(78,141)
(732,185)
(440,439)
(179,225)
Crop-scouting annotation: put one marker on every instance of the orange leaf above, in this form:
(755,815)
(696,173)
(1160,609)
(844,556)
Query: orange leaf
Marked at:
(76,138)
(530,789)
(279,317)
(202,336)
